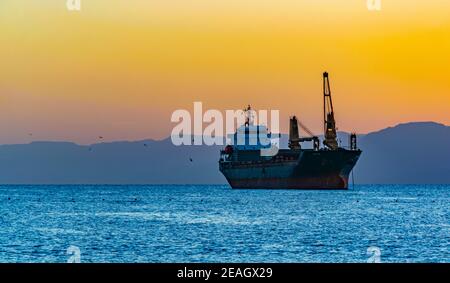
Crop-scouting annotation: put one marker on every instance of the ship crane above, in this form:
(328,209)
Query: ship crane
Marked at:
(330,135)
(306,129)
(295,139)
(312,137)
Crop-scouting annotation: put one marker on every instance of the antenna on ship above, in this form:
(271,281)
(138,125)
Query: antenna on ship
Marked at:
(248,112)
(330,136)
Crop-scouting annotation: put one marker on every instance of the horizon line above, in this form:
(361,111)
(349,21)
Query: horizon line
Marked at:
(167,137)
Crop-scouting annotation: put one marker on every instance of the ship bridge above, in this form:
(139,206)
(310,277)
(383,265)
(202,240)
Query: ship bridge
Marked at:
(251,137)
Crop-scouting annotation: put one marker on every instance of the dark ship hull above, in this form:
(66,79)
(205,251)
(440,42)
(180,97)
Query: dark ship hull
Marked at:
(303,169)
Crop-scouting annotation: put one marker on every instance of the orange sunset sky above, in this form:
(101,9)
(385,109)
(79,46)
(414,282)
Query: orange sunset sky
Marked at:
(119,68)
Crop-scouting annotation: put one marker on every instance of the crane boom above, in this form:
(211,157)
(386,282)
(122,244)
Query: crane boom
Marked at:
(306,129)
(330,135)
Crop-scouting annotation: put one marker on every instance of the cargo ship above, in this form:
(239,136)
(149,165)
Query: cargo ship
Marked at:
(246,164)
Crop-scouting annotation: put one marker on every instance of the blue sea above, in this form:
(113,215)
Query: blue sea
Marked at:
(154,223)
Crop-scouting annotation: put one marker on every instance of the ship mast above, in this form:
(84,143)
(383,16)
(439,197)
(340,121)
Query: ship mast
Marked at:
(248,112)
(330,136)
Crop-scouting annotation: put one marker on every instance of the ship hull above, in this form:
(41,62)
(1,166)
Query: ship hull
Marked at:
(320,183)
(306,169)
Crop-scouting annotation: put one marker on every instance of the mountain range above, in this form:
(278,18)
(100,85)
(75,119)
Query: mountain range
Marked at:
(411,153)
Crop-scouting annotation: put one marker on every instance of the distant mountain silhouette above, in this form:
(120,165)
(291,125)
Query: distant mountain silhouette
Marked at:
(416,153)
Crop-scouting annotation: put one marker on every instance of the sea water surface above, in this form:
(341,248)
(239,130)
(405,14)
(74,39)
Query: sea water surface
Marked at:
(151,223)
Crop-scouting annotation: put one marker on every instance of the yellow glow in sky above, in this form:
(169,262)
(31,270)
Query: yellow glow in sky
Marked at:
(120,68)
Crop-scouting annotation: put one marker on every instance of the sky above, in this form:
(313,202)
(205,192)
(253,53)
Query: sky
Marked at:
(118,69)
